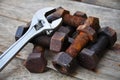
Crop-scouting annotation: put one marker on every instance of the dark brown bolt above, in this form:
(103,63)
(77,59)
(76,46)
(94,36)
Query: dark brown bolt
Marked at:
(68,19)
(36,62)
(89,57)
(64,61)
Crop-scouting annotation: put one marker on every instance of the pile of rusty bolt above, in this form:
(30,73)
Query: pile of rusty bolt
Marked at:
(79,41)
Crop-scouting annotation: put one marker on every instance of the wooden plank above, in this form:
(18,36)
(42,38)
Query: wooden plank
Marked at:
(18,10)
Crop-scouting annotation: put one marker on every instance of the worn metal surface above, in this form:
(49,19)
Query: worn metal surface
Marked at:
(16,12)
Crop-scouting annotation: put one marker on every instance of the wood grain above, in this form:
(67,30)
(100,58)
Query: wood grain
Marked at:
(18,12)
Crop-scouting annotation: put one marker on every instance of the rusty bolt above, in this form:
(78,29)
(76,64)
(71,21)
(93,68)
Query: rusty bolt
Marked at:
(89,57)
(36,61)
(74,21)
(68,19)
(86,34)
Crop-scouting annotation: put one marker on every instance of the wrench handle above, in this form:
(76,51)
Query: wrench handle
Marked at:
(6,57)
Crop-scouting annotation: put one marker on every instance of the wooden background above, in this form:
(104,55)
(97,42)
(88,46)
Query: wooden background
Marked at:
(18,12)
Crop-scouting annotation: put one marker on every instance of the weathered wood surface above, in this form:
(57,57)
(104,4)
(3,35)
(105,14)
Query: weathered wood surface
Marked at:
(17,12)
(106,3)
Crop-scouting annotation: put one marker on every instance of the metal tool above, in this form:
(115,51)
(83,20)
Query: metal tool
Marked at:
(39,24)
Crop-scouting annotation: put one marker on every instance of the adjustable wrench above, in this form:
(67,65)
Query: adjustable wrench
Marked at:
(39,24)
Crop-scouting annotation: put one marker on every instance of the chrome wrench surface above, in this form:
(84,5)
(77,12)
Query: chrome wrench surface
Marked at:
(39,24)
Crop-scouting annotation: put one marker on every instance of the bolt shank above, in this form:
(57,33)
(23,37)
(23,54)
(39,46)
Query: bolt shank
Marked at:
(100,45)
(80,41)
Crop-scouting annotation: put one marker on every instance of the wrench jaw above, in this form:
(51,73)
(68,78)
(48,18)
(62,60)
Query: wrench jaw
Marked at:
(54,25)
(40,15)
(40,21)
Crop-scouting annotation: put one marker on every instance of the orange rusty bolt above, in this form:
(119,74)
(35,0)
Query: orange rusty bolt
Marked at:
(68,19)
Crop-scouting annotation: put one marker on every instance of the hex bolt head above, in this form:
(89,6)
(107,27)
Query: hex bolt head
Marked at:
(36,62)
(63,62)
(88,58)
(57,41)
(110,33)
(92,22)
